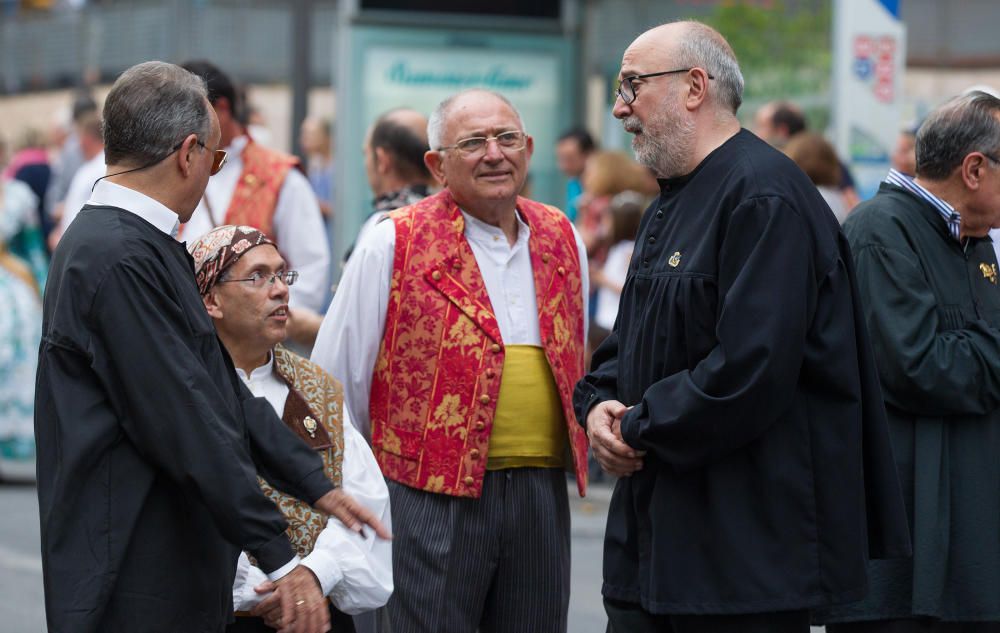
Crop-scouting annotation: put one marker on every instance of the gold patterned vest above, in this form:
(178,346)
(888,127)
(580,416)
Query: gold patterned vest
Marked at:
(313,410)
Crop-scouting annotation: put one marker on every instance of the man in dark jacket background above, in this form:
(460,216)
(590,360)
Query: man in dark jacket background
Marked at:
(737,396)
(928,279)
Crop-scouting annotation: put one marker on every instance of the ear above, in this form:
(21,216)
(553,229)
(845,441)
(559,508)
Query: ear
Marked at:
(186,154)
(435,163)
(212,305)
(973,168)
(697,88)
(529,145)
(223,107)
(383,160)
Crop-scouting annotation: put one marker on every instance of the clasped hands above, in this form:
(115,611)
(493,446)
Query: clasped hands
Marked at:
(296,603)
(604,429)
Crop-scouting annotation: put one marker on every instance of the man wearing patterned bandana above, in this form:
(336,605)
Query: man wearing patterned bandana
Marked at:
(244,283)
(458,332)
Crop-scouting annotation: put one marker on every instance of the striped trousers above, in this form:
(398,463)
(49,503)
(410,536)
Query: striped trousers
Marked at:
(497,564)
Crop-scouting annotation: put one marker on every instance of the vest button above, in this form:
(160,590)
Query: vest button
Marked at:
(490,373)
(484,399)
(562,271)
(474,454)
(468,481)
(495,348)
(545,258)
(457,265)
(436,275)
(480,426)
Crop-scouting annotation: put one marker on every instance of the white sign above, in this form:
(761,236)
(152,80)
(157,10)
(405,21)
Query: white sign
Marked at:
(869,60)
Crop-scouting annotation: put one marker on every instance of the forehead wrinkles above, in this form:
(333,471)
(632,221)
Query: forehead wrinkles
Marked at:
(480,118)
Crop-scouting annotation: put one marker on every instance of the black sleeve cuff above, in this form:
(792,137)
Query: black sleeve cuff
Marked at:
(273,554)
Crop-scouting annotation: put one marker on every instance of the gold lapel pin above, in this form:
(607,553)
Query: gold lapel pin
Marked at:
(989,272)
(675,259)
(310,425)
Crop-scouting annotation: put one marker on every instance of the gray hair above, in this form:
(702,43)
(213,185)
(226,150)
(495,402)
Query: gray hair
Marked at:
(150,109)
(964,124)
(704,47)
(435,124)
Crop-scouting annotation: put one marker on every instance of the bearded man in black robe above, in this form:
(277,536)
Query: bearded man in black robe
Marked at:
(736,398)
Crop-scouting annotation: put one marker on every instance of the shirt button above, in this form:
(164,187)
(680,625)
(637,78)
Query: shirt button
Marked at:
(645,262)
(659,214)
(495,348)
(652,239)
(436,275)
(484,399)
(468,481)
(474,454)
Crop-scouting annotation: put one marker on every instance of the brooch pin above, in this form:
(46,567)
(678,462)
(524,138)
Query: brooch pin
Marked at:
(310,425)
(989,272)
(675,259)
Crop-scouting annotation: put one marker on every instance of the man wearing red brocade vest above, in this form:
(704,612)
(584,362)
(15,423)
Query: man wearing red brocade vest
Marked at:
(458,334)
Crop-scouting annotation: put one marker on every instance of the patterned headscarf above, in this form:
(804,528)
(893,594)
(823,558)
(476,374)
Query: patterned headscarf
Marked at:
(216,251)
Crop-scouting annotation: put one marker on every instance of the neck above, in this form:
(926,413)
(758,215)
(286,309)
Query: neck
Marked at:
(248,356)
(718,131)
(503,215)
(152,183)
(953,193)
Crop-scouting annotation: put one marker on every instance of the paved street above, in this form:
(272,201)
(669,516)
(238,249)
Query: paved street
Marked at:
(21,608)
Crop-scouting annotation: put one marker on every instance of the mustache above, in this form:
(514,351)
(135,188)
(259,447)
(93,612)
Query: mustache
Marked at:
(632,124)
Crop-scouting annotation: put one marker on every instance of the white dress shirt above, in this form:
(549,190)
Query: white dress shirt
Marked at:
(298,226)
(354,570)
(108,194)
(349,339)
(79,188)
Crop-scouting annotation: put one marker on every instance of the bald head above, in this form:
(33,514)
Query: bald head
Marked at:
(690,44)
(466,98)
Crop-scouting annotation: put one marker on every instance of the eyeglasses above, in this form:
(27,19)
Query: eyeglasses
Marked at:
(218,160)
(258,279)
(626,90)
(512,140)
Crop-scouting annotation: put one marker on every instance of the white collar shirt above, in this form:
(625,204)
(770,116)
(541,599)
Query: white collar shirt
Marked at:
(109,194)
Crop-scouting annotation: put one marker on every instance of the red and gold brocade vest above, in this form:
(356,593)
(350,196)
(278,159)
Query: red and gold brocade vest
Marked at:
(255,198)
(437,376)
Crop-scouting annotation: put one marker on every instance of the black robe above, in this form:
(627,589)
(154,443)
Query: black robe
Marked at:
(146,485)
(741,345)
(933,309)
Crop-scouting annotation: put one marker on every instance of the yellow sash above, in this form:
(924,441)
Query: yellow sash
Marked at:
(528,427)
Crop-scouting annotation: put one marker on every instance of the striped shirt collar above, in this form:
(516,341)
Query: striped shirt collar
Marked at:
(951,217)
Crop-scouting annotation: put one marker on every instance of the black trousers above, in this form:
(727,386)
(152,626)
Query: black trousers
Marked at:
(914,625)
(340,622)
(628,617)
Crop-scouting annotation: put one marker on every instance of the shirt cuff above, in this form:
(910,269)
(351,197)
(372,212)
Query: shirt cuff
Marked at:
(283,571)
(326,569)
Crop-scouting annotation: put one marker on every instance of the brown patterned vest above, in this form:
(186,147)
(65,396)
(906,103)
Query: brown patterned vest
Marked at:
(437,376)
(313,410)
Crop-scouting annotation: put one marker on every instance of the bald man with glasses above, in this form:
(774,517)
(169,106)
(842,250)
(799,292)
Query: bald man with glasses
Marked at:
(458,333)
